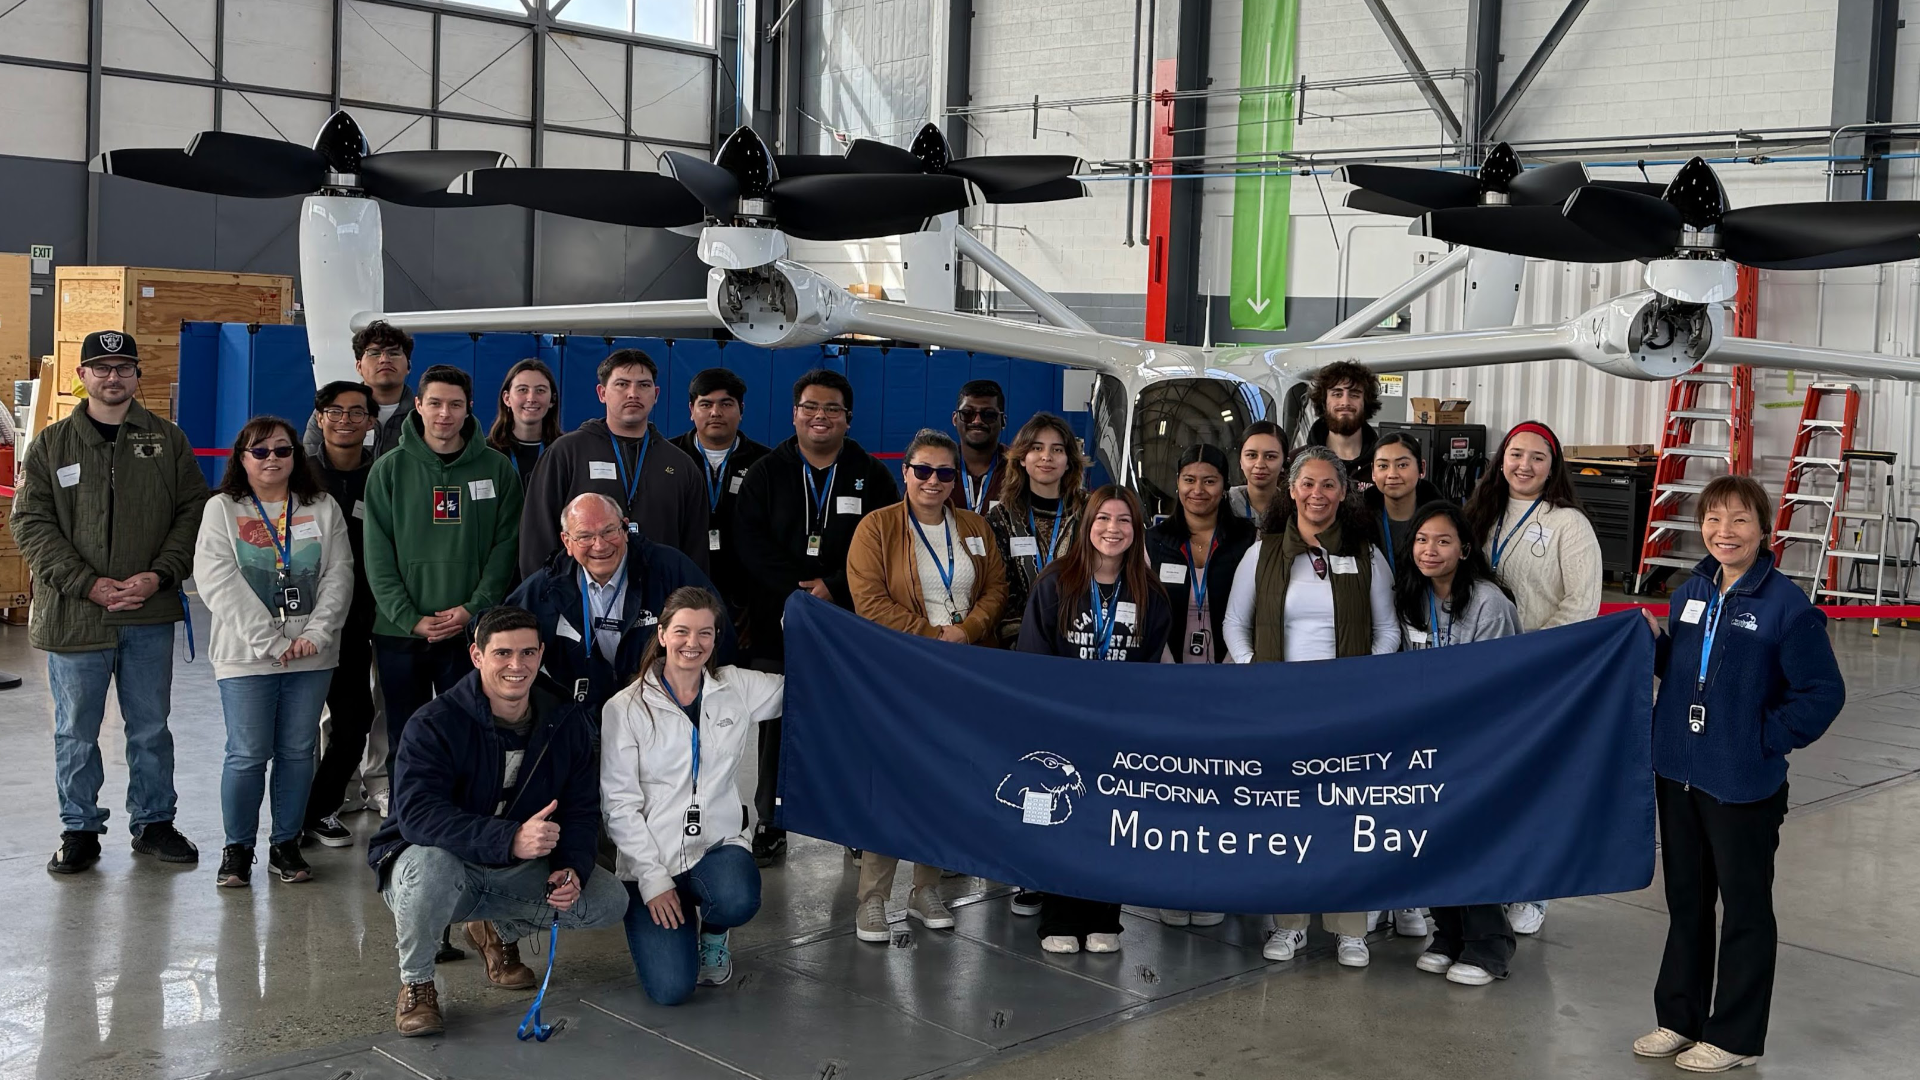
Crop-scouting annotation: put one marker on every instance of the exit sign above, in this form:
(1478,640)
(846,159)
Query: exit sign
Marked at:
(42,257)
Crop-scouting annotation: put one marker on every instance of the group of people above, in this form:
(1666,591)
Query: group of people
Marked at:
(568,636)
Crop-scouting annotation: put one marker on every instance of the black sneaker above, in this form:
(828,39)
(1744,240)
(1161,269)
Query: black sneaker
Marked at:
(1027,903)
(768,847)
(236,867)
(330,832)
(284,859)
(78,851)
(164,842)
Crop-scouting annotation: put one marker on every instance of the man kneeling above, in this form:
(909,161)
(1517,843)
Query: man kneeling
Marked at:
(495,816)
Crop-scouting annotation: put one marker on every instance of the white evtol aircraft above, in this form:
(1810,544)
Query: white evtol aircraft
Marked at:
(747,201)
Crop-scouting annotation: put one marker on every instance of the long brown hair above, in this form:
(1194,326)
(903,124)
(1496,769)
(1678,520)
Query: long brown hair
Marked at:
(1075,568)
(1013,487)
(303,482)
(500,435)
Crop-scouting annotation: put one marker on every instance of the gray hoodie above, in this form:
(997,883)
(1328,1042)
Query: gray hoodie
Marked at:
(1489,615)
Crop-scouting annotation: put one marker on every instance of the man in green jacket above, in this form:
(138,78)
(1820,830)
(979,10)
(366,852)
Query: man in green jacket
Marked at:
(441,536)
(106,513)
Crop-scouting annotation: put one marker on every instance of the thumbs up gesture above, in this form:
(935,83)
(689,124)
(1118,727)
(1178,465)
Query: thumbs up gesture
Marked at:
(537,836)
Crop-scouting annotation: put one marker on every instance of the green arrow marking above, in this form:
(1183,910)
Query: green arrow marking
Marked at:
(1261,208)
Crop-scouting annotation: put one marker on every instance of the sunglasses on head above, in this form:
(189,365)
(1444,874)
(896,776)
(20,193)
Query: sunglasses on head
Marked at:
(983,416)
(262,453)
(945,473)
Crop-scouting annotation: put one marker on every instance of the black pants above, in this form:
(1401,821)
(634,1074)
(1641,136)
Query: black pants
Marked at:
(1066,916)
(1712,849)
(765,797)
(1477,935)
(350,707)
(412,671)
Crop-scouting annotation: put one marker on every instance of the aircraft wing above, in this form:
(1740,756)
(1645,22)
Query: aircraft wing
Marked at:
(1812,361)
(1088,350)
(558,319)
(1423,352)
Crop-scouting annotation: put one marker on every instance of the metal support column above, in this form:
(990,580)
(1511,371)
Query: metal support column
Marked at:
(219,60)
(1483,59)
(96,28)
(1541,54)
(339,32)
(1863,57)
(1186,313)
(959,71)
(1411,61)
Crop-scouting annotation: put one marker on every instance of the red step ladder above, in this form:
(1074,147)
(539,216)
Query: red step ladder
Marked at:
(1682,472)
(1818,476)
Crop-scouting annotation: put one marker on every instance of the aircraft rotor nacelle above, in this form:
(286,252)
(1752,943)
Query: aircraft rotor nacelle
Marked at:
(777,306)
(1647,336)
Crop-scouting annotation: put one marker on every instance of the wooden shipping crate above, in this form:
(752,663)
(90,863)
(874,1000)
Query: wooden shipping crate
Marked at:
(142,301)
(16,291)
(15,586)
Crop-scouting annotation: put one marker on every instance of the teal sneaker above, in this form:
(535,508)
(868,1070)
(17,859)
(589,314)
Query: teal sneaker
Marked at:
(716,962)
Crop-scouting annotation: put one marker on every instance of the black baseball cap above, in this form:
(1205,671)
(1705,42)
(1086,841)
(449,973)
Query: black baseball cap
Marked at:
(108,345)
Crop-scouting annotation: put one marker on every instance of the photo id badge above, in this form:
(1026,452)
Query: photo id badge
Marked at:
(1697,719)
(813,546)
(1197,642)
(291,602)
(693,820)
(713,539)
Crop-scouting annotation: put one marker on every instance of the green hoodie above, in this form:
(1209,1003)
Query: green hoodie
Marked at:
(439,535)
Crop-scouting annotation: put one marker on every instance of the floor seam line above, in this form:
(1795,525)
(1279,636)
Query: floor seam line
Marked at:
(877,1001)
(694,1050)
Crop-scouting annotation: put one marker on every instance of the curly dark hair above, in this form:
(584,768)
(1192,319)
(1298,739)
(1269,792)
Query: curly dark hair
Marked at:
(1345,371)
(303,481)
(382,334)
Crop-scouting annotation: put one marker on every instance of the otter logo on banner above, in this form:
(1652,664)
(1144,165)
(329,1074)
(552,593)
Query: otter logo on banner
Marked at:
(1042,786)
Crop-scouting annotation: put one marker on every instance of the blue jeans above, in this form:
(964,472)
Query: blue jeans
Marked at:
(430,887)
(140,667)
(277,718)
(725,887)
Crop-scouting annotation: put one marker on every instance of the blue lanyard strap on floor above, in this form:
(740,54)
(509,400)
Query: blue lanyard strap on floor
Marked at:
(530,1026)
(1500,547)
(620,466)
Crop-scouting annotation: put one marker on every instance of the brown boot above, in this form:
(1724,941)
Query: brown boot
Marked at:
(504,968)
(418,1010)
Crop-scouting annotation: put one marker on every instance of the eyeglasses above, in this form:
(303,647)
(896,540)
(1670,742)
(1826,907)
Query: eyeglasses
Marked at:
(814,408)
(262,453)
(394,353)
(605,536)
(125,371)
(336,414)
(946,473)
(1319,563)
(984,416)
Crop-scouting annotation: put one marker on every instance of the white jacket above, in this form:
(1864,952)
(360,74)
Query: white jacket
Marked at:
(646,775)
(229,570)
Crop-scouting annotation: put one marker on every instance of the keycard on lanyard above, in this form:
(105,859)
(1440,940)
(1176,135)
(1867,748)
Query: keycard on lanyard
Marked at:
(1697,719)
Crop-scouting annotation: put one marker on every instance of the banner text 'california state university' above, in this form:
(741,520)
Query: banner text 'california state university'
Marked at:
(1508,770)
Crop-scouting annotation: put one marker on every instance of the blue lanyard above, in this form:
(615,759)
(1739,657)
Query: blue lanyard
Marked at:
(1709,627)
(639,463)
(1500,548)
(668,687)
(1103,620)
(1386,538)
(716,479)
(530,1026)
(586,619)
(1433,623)
(818,497)
(975,501)
(1043,555)
(1196,575)
(946,573)
(283,538)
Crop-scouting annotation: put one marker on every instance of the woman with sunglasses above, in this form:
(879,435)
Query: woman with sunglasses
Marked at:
(922,566)
(1040,504)
(1528,520)
(1313,587)
(528,419)
(1446,594)
(274,568)
(1098,602)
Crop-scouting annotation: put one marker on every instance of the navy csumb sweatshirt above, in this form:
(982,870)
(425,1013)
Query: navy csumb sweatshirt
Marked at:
(1773,685)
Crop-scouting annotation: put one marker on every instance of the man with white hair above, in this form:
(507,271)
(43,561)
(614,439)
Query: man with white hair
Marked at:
(598,601)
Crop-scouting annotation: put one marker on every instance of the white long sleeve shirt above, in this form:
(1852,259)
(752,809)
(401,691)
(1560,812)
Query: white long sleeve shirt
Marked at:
(1309,614)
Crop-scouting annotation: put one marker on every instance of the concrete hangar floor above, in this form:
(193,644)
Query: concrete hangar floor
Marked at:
(138,970)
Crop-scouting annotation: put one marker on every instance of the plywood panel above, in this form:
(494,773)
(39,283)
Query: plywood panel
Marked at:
(142,301)
(15,323)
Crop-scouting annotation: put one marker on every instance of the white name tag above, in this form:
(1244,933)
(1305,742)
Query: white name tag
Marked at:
(564,629)
(1024,545)
(847,504)
(360,508)
(1173,573)
(68,475)
(977,545)
(733,486)
(1692,612)
(991,503)
(307,530)
(1418,637)
(480,489)
(601,470)
(1124,612)
(1538,534)
(1344,564)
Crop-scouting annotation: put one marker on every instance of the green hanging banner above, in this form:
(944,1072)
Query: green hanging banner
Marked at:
(1262,204)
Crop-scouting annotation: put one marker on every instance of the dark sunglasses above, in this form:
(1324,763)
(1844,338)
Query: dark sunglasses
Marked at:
(945,473)
(262,453)
(984,416)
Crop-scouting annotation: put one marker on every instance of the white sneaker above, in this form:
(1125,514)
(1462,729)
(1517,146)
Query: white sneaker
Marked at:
(1281,944)
(1708,1058)
(1353,952)
(1437,963)
(1469,975)
(1526,917)
(1170,917)
(1060,943)
(870,923)
(1661,1042)
(380,800)
(1409,922)
(1206,918)
(1103,942)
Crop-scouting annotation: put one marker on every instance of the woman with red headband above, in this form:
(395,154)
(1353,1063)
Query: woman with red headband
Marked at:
(1529,523)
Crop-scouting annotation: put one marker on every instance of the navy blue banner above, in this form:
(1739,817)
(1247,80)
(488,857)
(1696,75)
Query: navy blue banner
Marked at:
(1508,770)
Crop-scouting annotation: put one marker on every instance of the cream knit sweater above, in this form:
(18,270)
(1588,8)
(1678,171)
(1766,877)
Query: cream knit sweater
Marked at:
(1552,563)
